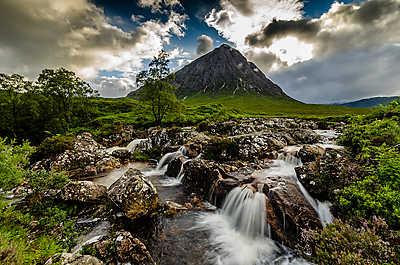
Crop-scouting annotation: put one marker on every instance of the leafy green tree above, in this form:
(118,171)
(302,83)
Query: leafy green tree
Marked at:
(12,87)
(156,88)
(66,90)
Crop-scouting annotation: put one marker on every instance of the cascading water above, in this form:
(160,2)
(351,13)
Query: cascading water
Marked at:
(237,232)
(181,173)
(131,147)
(246,210)
(164,161)
(284,166)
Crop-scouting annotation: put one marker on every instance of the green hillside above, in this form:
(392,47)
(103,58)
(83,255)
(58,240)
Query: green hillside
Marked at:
(250,105)
(109,112)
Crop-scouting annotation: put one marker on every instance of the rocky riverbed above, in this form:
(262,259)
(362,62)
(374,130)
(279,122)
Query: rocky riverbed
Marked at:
(238,192)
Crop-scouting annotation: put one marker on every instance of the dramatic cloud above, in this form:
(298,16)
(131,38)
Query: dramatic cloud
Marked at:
(344,76)
(77,35)
(156,5)
(343,27)
(238,18)
(204,44)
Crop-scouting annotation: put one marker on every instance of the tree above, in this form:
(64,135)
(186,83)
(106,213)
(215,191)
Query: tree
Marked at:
(156,88)
(12,88)
(65,89)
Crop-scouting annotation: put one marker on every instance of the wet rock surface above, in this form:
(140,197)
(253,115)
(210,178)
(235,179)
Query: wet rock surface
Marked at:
(134,194)
(288,212)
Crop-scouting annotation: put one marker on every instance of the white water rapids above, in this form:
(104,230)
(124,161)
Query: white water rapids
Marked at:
(238,233)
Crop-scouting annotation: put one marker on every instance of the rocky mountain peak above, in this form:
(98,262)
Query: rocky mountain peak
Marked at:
(224,71)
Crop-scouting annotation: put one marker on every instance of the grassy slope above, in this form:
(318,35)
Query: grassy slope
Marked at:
(110,112)
(273,106)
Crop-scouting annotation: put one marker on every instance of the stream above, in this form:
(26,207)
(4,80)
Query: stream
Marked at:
(236,234)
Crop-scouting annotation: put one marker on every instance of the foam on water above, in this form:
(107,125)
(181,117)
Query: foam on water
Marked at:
(237,232)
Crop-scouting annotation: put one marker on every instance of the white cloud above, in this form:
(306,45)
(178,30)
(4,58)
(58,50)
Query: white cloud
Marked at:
(204,44)
(236,20)
(77,35)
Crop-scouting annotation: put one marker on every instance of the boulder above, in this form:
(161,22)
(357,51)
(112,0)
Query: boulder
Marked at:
(83,191)
(84,160)
(122,154)
(122,248)
(200,176)
(329,173)
(310,153)
(288,212)
(305,136)
(73,259)
(134,195)
(130,250)
(174,167)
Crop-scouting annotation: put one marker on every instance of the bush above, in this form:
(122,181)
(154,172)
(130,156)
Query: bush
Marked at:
(32,235)
(378,193)
(341,244)
(13,160)
(53,146)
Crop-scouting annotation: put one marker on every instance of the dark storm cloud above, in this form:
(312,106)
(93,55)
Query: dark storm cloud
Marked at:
(302,29)
(343,27)
(265,60)
(375,10)
(344,76)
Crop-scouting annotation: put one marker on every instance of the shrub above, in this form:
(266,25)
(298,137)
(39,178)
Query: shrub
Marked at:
(342,244)
(53,146)
(378,193)
(13,160)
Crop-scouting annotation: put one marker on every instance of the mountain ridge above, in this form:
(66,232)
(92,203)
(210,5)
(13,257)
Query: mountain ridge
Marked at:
(368,102)
(223,70)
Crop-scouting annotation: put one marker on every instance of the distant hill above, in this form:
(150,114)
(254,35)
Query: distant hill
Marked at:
(369,102)
(223,71)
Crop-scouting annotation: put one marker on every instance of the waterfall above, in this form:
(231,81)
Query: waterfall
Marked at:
(284,166)
(131,147)
(237,232)
(164,161)
(246,210)
(181,174)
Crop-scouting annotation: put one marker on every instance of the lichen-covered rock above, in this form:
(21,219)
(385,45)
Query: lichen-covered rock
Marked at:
(73,259)
(84,160)
(121,248)
(329,173)
(200,176)
(134,195)
(131,250)
(122,154)
(310,153)
(83,191)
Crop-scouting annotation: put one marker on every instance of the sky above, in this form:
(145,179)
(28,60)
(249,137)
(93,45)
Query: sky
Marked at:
(318,51)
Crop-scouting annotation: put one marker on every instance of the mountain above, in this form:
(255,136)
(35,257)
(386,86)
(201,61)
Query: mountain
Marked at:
(223,71)
(369,102)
